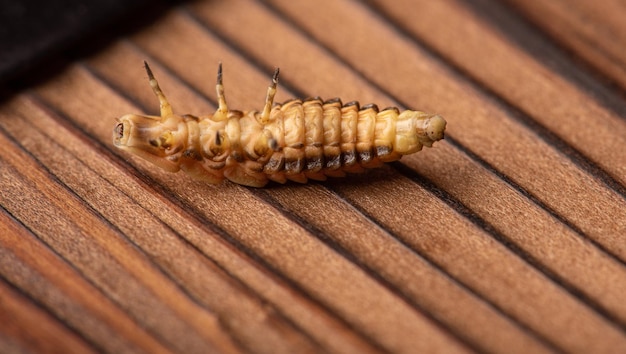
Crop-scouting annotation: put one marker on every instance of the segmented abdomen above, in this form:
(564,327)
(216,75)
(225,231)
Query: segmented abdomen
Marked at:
(326,138)
(311,139)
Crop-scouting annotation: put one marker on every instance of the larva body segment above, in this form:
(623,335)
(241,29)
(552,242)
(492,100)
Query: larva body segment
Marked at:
(297,140)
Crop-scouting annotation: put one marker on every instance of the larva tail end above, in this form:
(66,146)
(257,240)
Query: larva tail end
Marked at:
(435,128)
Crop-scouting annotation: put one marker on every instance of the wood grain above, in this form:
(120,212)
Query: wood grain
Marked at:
(505,237)
(593,32)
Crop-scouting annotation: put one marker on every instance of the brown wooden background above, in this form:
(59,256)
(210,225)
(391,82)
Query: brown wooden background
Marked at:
(506,237)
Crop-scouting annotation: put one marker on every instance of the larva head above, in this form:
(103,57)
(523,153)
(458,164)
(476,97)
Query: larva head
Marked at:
(157,141)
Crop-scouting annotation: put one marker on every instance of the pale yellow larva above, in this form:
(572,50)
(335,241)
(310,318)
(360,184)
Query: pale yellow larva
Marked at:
(297,140)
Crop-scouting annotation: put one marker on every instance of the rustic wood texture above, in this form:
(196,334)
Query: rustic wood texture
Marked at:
(506,237)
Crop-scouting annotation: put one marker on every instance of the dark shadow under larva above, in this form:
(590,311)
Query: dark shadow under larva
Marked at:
(296,140)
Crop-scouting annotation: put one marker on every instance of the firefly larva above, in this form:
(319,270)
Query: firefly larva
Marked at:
(297,140)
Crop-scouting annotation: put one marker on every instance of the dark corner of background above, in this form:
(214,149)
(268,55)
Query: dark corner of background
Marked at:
(38,36)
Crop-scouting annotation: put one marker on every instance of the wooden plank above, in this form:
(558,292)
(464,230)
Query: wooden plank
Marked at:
(324,274)
(563,108)
(432,89)
(185,265)
(594,32)
(34,268)
(505,237)
(142,200)
(509,146)
(26,328)
(82,237)
(473,189)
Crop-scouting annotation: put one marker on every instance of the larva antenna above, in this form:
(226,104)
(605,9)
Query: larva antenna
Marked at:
(222,108)
(275,77)
(269,99)
(166,108)
(219,73)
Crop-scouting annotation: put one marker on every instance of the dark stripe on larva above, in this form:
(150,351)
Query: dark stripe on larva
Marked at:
(331,162)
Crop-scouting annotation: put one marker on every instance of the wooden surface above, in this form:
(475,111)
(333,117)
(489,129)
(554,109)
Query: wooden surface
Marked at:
(508,236)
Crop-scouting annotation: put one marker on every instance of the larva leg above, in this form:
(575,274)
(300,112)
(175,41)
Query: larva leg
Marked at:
(166,108)
(222,109)
(269,99)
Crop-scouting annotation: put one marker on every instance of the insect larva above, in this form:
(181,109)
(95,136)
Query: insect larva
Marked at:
(297,140)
